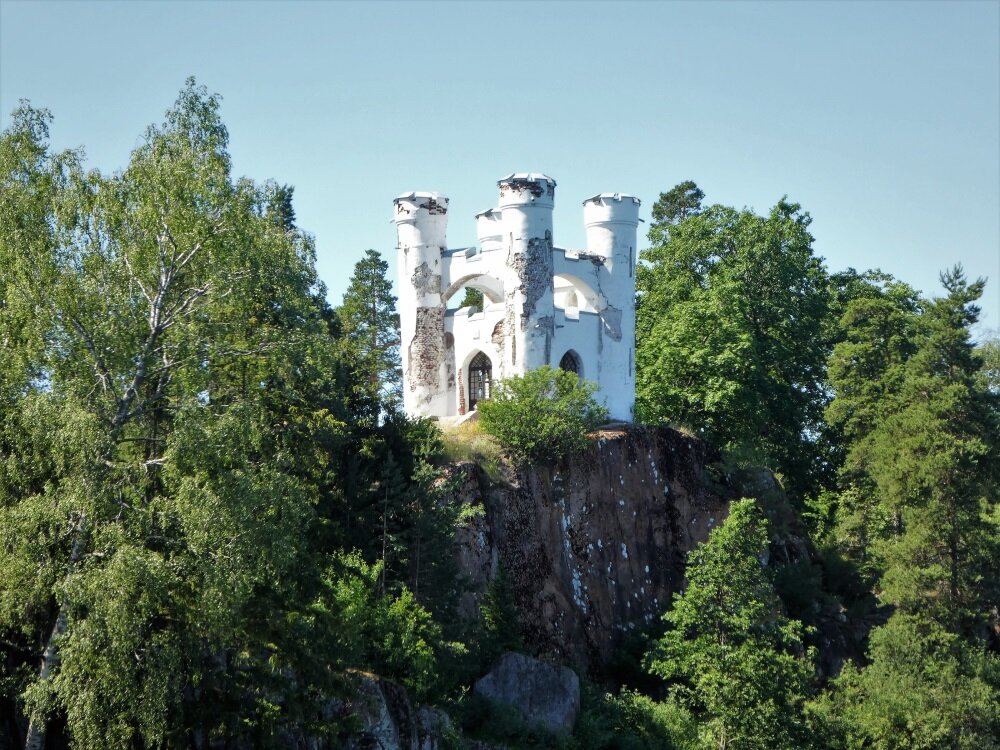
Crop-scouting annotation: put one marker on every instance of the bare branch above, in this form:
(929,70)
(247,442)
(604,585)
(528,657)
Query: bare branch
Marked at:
(101,369)
(135,276)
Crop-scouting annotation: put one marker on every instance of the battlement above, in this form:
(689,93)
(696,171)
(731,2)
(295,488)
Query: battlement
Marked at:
(543,305)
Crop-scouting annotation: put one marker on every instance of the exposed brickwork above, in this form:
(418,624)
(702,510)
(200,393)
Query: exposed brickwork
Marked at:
(520,185)
(435,208)
(534,273)
(426,348)
(449,360)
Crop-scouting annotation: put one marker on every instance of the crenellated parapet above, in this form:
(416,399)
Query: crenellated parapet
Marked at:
(542,304)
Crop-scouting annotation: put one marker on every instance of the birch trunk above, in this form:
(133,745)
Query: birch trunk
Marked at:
(35,738)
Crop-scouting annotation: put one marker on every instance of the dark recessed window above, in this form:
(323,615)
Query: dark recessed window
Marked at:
(480,376)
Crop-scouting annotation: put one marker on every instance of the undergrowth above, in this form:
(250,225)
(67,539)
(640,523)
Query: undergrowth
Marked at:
(467,442)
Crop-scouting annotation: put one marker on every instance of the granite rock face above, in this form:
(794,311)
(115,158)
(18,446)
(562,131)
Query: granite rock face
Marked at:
(388,720)
(593,547)
(541,693)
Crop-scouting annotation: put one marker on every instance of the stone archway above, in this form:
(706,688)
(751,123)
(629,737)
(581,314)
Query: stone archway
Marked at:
(480,379)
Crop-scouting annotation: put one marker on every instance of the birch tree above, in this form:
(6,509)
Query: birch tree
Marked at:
(162,354)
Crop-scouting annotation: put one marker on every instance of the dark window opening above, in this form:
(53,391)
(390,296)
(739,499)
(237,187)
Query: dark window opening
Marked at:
(570,363)
(480,377)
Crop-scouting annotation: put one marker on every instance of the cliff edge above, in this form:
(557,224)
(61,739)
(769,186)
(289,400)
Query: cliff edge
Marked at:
(593,547)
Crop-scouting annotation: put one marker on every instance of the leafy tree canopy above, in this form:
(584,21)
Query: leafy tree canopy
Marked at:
(730,329)
(731,653)
(542,415)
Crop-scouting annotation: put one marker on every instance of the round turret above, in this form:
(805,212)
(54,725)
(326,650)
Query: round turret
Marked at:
(611,220)
(527,189)
(489,229)
(421,219)
(526,202)
(421,222)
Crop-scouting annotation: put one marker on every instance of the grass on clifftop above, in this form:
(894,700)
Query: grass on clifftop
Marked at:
(467,442)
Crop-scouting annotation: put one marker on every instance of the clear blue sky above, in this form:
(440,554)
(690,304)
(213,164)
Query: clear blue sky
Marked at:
(881,119)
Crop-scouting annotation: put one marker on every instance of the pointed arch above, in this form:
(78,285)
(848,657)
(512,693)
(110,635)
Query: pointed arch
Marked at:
(571,362)
(480,378)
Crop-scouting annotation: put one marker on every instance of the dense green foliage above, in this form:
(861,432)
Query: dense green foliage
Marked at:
(472,298)
(881,417)
(737,661)
(542,415)
(212,509)
(729,326)
(925,688)
(202,525)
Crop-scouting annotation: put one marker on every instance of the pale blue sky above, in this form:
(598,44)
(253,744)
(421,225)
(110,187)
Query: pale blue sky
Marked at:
(881,119)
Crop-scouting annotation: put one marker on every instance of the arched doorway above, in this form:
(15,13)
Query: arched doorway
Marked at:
(480,378)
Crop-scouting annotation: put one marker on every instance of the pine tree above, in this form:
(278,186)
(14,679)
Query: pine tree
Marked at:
(935,461)
(932,456)
(877,334)
(735,658)
(370,326)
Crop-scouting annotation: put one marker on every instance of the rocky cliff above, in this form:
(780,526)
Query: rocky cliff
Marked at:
(593,547)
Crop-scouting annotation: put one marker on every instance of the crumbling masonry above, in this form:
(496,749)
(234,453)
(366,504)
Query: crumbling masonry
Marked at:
(542,305)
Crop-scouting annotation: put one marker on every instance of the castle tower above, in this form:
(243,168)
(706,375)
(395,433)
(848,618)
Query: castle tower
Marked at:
(421,221)
(489,229)
(611,220)
(526,203)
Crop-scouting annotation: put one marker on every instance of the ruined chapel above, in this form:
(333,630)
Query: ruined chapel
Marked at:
(542,305)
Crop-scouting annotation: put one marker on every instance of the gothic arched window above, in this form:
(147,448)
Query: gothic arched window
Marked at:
(570,362)
(480,377)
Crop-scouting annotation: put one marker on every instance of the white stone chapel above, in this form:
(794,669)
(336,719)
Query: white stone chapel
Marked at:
(542,304)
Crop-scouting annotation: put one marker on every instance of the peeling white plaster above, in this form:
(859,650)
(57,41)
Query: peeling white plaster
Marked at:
(540,301)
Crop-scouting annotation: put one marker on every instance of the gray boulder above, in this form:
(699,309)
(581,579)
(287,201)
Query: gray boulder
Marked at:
(542,694)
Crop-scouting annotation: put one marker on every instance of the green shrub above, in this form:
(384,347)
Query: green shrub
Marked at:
(542,415)
(633,721)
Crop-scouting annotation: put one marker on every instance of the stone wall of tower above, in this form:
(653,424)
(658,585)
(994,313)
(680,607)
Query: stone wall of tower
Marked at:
(526,203)
(611,220)
(421,223)
(526,322)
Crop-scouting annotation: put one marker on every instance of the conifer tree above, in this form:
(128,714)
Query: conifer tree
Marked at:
(370,326)
(877,334)
(932,459)
(735,659)
(936,461)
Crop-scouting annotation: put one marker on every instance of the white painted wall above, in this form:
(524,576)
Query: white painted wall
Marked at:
(599,329)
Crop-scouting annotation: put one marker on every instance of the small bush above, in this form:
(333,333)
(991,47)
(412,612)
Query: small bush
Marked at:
(542,415)
(633,721)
